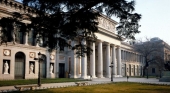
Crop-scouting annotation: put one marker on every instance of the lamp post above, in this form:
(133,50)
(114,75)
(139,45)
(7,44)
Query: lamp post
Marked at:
(147,72)
(160,73)
(111,66)
(39,60)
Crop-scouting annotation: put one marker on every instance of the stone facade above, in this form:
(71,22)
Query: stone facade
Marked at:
(62,64)
(157,68)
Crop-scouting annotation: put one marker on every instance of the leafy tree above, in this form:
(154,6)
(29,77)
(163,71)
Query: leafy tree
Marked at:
(152,51)
(57,21)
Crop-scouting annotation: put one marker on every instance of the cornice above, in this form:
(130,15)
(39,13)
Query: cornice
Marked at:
(109,33)
(166,45)
(11,45)
(129,49)
(17,6)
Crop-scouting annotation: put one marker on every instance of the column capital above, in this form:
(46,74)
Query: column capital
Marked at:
(112,45)
(98,40)
(118,46)
(106,43)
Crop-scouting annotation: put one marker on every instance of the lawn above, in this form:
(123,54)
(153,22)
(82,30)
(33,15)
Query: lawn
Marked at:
(121,87)
(34,81)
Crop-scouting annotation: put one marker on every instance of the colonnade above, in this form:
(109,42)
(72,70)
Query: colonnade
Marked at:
(133,63)
(99,66)
(99,62)
(131,56)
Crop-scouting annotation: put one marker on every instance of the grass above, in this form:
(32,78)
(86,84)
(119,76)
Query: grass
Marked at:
(121,87)
(34,81)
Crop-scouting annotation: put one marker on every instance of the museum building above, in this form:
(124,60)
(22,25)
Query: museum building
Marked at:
(17,58)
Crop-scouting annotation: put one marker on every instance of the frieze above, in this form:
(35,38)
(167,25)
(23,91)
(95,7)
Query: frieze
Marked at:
(106,24)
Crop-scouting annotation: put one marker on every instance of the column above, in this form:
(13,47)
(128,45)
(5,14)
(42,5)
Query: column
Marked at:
(108,60)
(119,66)
(73,62)
(123,55)
(100,61)
(26,38)
(114,59)
(56,66)
(47,63)
(84,64)
(92,61)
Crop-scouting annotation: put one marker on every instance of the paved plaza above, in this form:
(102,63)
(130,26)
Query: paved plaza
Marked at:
(94,81)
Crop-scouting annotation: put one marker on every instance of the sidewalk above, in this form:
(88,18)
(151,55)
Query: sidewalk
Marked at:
(94,81)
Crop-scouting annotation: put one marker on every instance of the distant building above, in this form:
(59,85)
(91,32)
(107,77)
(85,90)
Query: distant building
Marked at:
(159,56)
(156,68)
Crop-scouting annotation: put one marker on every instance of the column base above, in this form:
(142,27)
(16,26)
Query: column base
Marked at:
(26,44)
(73,76)
(108,76)
(100,76)
(94,77)
(84,77)
(117,76)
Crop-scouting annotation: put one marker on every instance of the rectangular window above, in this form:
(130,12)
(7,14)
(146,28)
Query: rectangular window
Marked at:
(153,70)
(31,38)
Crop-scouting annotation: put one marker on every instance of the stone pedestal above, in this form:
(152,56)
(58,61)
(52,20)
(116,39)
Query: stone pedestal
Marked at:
(165,76)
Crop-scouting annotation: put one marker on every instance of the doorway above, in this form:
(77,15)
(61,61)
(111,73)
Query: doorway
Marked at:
(19,65)
(61,70)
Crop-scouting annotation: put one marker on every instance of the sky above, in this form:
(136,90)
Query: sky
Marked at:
(155,20)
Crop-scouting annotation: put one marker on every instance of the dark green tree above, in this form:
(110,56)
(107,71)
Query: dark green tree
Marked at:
(57,21)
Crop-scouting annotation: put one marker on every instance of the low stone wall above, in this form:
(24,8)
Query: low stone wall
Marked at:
(165,77)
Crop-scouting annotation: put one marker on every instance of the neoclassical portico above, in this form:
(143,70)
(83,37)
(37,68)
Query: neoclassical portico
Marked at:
(100,60)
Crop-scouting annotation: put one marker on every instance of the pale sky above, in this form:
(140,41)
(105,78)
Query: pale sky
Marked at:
(155,20)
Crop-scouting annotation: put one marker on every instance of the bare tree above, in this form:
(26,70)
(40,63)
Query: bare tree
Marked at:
(152,51)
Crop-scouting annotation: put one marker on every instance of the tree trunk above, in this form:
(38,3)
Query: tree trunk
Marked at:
(144,71)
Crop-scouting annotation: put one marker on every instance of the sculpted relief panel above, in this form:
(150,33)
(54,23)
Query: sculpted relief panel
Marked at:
(106,24)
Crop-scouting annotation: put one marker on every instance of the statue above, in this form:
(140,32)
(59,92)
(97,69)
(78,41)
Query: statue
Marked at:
(31,68)
(0,35)
(51,68)
(14,32)
(6,67)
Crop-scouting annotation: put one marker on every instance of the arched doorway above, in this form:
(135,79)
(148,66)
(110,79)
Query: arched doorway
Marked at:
(43,67)
(19,65)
